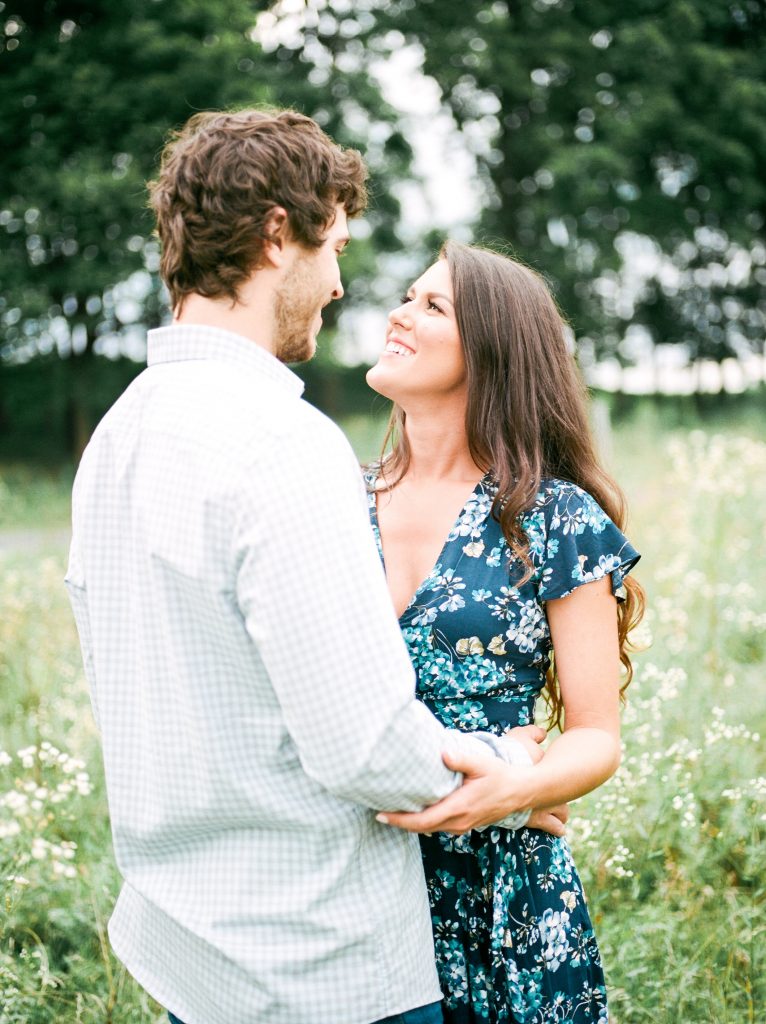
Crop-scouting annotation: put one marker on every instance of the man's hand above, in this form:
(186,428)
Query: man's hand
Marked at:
(491,790)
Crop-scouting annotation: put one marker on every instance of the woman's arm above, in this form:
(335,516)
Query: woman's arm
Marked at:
(584,633)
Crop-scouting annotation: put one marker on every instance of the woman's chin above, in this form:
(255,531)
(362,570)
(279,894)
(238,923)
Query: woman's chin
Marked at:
(380,381)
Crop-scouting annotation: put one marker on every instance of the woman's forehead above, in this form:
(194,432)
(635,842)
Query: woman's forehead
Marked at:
(437,277)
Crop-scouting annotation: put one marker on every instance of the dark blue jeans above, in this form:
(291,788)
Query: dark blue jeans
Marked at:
(431,1014)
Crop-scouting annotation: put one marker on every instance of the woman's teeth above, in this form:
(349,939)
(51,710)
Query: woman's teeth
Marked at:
(398,350)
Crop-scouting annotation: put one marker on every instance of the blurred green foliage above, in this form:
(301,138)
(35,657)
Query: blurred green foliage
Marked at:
(598,122)
(90,91)
(619,148)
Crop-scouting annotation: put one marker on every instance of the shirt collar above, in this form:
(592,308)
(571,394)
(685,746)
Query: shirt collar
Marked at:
(192,341)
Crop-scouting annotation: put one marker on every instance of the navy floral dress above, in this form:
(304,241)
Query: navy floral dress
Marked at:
(513,939)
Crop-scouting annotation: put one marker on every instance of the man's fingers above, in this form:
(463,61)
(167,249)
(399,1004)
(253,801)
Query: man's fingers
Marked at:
(409,822)
(450,813)
(468,763)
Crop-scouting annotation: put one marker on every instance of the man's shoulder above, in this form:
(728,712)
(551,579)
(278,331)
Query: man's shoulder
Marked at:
(305,436)
(312,423)
(235,424)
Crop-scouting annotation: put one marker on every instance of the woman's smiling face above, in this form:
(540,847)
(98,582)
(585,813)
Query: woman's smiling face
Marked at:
(423,357)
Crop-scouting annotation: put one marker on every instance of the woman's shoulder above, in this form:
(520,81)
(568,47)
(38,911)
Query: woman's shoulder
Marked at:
(556,488)
(556,491)
(565,505)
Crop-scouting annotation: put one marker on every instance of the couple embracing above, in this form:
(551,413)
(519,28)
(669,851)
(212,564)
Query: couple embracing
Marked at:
(296,669)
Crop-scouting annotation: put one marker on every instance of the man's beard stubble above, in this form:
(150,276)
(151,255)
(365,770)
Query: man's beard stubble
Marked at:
(296,308)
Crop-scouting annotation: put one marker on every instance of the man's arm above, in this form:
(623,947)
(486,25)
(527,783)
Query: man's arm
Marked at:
(584,631)
(78,597)
(314,599)
(484,799)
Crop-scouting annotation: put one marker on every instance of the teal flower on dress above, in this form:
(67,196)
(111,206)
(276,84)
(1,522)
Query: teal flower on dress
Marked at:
(529,626)
(606,564)
(467,716)
(534,528)
(526,995)
(554,929)
(451,964)
(505,603)
(583,947)
(561,863)
(576,511)
(493,558)
(481,989)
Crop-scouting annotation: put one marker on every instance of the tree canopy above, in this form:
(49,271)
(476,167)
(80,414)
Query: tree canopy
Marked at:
(90,91)
(618,146)
(599,122)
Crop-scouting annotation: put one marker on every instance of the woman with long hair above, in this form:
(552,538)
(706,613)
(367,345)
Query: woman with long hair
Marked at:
(501,537)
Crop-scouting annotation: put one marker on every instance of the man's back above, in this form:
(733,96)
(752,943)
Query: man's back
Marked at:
(250,711)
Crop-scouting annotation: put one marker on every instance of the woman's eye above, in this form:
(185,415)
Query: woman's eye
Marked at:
(404,298)
(432,305)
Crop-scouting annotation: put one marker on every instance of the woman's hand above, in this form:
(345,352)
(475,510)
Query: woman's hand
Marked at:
(551,819)
(529,737)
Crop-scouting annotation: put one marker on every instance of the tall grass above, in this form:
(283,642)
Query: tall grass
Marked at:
(672,850)
(32,497)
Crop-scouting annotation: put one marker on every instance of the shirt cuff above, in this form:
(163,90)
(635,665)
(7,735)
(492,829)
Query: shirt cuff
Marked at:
(512,752)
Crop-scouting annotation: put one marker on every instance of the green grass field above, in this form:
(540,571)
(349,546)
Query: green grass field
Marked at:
(672,850)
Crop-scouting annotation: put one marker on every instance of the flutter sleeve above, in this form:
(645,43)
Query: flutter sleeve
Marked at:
(581,544)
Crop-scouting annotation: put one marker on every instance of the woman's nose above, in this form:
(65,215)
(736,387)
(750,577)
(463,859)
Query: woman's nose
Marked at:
(400,316)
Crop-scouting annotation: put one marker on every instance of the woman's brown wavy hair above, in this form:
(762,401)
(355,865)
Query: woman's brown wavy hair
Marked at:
(526,417)
(220,178)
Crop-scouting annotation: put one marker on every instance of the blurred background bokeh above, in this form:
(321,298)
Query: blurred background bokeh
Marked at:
(617,148)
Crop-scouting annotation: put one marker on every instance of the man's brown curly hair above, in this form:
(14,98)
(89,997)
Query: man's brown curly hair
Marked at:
(222,175)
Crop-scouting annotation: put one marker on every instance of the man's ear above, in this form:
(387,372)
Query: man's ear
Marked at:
(276,230)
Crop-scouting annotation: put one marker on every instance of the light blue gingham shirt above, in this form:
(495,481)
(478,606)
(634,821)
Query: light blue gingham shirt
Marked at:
(255,699)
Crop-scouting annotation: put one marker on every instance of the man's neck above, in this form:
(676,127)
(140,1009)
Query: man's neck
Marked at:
(239,318)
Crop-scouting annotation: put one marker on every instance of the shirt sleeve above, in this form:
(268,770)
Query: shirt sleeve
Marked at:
(581,544)
(78,597)
(311,589)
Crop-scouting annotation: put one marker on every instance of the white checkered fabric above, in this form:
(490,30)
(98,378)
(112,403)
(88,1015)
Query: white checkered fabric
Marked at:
(255,699)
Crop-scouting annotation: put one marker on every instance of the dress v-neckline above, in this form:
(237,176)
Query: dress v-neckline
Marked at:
(440,557)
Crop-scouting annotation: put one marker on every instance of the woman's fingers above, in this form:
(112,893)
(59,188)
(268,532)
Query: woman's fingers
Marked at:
(522,732)
(551,820)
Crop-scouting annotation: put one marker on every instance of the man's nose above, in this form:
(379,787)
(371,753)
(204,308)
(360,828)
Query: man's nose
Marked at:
(337,292)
